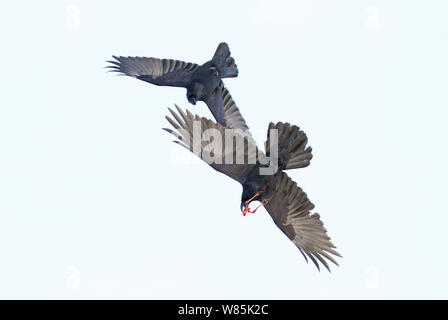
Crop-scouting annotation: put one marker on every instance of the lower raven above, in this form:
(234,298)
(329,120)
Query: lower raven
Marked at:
(287,204)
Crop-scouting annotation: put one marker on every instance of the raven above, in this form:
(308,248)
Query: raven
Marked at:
(287,204)
(203,82)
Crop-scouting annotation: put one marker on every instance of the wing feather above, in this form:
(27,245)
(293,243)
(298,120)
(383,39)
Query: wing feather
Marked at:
(162,72)
(225,111)
(183,124)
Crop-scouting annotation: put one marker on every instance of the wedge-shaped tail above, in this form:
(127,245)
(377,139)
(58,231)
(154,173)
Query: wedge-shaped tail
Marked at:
(292,150)
(224,62)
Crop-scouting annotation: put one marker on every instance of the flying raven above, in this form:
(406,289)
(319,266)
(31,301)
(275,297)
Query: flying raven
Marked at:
(203,82)
(286,203)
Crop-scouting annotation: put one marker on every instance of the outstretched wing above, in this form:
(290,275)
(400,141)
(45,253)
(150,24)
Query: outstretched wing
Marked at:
(191,129)
(290,209)
(224,109)
(161,72)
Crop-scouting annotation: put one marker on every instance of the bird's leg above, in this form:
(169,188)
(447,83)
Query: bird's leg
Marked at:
(265,201)
(256,195)
(248,201)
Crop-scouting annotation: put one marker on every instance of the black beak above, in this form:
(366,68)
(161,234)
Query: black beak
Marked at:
(192,99)
(243,206)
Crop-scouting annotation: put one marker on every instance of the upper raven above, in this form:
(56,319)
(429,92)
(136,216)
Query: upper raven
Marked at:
(203,82)
(286,203)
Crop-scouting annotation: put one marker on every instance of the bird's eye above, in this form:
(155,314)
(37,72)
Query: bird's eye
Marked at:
(214,70)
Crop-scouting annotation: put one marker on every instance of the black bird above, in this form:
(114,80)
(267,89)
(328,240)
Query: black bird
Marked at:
(203,82)
(286,203)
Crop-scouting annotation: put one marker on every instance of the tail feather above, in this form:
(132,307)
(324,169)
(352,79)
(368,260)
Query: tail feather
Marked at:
(224,62)
(292,150)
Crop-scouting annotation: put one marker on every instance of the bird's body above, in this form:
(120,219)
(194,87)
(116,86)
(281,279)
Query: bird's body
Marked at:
(254,183)
(203,82)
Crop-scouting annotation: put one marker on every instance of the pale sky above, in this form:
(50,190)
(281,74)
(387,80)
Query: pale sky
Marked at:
(97,202)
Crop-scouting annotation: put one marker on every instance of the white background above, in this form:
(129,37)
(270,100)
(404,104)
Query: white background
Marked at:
(97,202)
